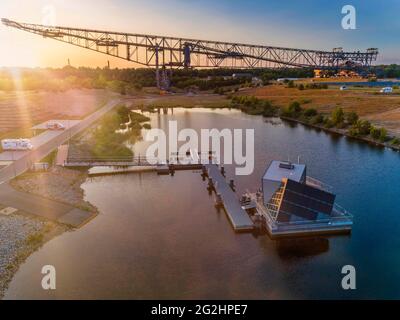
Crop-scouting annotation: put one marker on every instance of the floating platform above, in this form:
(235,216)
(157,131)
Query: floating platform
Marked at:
(340,222)
(238,217)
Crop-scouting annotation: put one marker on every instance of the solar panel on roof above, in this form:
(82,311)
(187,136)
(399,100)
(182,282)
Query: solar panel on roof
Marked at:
(305,201)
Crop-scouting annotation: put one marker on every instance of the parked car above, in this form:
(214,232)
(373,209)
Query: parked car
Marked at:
(55,126)
(387,90)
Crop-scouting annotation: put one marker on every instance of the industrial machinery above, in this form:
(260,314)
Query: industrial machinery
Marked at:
(163,52)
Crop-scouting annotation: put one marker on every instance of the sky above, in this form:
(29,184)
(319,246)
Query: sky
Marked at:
(308,24)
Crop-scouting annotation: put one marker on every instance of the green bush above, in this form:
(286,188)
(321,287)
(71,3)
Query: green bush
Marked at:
(337,116)
(351,117)
(383,135)
(317,119)
(290,84)
(375,132)
(328,123)
(395,142)
(293,110)
(254,106)
(354,132)
(311,112)
(361,128)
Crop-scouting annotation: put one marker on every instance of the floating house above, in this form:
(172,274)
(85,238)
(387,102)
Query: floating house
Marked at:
(293,204)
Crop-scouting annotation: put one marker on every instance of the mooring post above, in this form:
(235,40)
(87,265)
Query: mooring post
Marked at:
(218,200)
(210,183)
(232,184)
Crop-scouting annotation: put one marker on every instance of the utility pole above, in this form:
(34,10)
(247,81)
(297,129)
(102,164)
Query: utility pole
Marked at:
(157,68)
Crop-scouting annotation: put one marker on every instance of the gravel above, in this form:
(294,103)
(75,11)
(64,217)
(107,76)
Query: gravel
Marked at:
(14,230)
(59,184)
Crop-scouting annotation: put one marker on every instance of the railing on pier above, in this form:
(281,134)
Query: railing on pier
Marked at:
(318,184)
(339,216)
(176,159)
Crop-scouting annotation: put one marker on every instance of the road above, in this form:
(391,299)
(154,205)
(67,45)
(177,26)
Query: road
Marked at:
(24,162)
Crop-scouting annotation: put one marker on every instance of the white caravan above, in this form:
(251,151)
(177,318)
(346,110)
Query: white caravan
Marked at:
(16,144)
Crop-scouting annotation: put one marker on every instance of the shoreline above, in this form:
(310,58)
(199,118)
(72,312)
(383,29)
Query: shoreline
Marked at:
(22,234)
(344,133)
(58,184)
(40,232)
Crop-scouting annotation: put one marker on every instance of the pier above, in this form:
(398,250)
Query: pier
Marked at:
(238,217)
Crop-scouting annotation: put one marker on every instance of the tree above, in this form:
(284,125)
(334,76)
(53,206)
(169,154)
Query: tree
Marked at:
(311,112)
(290,84)
(364,127)
(295,107)
(375,133)
(383,135)
(351,117)
(337,116)
(293,110)
(317,119)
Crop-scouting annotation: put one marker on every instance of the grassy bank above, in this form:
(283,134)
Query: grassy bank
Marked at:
(107,139)
(338,121)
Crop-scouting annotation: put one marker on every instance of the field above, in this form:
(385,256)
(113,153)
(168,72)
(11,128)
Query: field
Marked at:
(383,110)
(21,109)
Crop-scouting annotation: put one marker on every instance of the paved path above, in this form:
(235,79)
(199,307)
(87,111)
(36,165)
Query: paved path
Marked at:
(53,140)
(46,208)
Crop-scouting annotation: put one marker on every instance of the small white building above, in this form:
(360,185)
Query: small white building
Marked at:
(342,88)
(287,79)
(277,171)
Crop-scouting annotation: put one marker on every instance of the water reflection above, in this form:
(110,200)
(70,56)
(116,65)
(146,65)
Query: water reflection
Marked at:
(301,247)
(162,237)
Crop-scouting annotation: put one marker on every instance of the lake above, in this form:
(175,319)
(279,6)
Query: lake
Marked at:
(161,237)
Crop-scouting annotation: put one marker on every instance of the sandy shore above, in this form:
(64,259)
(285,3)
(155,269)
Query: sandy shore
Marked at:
(22,234)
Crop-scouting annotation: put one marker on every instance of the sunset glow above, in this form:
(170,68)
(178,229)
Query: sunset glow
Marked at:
(186,19)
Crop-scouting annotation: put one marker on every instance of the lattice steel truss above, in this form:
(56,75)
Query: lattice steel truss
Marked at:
(160,51)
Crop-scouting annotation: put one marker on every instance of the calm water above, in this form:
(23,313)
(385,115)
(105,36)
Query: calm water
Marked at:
(161,237)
